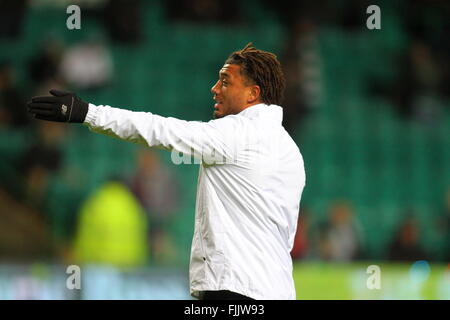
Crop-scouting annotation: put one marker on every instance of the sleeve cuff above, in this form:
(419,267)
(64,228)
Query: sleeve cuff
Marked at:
(91,114)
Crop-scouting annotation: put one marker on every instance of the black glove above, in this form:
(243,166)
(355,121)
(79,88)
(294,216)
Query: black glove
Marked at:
(61,106)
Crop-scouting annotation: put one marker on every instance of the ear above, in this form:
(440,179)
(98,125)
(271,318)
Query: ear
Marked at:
(253,93)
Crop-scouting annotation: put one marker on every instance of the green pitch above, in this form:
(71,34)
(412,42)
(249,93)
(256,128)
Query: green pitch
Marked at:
(414,281)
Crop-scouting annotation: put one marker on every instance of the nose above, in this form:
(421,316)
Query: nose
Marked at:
(215,88)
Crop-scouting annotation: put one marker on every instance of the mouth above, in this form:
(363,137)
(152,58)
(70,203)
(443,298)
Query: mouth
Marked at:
(218,103)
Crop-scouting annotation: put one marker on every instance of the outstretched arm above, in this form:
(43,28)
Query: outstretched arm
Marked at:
(213,141)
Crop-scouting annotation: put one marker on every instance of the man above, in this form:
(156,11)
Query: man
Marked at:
(250,180)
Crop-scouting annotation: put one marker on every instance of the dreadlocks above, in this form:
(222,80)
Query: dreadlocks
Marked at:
(263,69)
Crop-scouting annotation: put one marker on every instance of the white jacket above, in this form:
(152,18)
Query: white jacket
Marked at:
(250,183)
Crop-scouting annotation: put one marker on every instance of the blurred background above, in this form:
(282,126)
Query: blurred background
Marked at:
(369,109)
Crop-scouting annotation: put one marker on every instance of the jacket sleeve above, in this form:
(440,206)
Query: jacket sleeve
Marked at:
(213,142)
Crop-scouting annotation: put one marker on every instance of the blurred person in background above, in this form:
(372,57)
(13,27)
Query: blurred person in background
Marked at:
(112,228)
(303,74)
(11,99)
(430,24)
(339,238)
(250,181)
(344,232)
(157,190)
(87,65)
(123,21)
(40,161)
(290,12)
(24,233)
(301,248)
(204,11)
(419,83)
(443,226)
(405,245)
(417,94)
(322,245)
(12,13)
(44,65)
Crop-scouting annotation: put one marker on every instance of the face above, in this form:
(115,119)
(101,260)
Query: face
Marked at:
(231,93)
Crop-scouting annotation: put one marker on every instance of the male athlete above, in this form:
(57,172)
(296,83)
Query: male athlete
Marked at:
(250,180)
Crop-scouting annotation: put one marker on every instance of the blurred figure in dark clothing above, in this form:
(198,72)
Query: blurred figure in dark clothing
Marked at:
(40,161)
(322,243)
(419,83)
(416,89)
(423,72)
(44,65)
(123,20)
(350,14)
(431,23)
(406,243)
(12,111)
(201,11)
(290,12)
(12,13)
(156,188)
(303,73)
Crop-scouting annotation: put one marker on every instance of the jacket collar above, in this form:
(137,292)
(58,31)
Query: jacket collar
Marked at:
(271,112)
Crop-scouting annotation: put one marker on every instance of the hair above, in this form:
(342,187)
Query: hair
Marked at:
(263,69)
